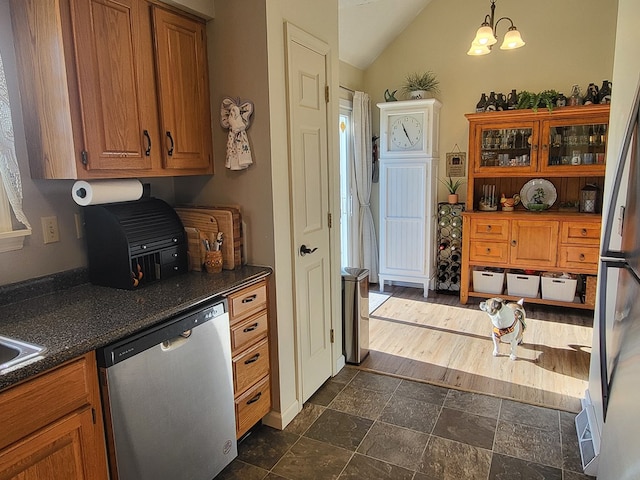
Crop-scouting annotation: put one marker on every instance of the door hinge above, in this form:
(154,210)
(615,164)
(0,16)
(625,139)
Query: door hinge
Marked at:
(332,336)
(84,158)
(329,220)
(326,93)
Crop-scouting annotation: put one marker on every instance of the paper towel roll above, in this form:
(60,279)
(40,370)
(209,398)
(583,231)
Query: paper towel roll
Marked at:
(95,192)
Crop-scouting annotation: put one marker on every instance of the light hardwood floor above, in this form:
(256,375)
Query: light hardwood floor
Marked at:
(440,341)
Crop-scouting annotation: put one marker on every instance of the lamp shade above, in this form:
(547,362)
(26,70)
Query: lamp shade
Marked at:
(512,40)
(477,50)
(484,36)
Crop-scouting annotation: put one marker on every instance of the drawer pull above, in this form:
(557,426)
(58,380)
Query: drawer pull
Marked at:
(254,399)
(488,228)
(251,328)
(488,250)
(581,257)
(252,359)
(250,298)
(513,243)
(583,232)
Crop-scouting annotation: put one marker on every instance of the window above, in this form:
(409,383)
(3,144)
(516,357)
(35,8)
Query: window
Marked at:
(11,184)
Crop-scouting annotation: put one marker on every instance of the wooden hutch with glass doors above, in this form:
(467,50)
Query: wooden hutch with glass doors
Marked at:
(549,159)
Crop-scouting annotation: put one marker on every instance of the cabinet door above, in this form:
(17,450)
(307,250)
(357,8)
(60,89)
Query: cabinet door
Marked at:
(116,83)
(534,243)
(574,146)
(62,451)
(183,89)
(505,148)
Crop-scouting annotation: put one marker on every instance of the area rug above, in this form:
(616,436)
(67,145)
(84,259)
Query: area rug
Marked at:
(451,346)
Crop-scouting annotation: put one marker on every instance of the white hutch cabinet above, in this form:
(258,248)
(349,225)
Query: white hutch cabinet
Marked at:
(409,158)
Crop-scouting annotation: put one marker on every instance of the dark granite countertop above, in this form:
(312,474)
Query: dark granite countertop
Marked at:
(75,320)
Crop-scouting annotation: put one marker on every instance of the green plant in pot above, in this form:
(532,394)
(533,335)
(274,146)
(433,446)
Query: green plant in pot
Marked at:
(452,187)
(417,85)
(546,98)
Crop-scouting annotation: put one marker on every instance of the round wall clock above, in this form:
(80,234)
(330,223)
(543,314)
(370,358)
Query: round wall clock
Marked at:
(406,132)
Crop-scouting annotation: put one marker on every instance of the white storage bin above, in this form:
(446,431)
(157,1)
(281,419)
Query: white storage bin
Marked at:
(521,285)
(488,282)
(558,288)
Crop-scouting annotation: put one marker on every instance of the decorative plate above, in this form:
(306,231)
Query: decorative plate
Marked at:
(538,194)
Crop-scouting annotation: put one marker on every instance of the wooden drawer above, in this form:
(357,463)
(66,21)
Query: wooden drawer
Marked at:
(246,332)
(247,301)
(489,229)
(254,404)
(250,366)
(581,233)
(583,258)
(36,403)
(490,252)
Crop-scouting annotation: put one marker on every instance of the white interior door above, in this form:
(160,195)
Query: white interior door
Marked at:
(307,80)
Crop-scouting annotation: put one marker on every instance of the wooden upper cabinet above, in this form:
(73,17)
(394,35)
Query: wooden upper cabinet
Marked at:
(116,84)
(185,115)
(103,81)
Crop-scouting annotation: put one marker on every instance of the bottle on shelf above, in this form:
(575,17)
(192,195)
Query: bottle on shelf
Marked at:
(492,103)
(604,95)
(512,100)
(481,106)
(591,96)
(576,97)
(443,245)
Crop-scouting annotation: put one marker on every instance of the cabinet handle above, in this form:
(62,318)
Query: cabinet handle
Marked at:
(544,147)
(488,250)
(249,299)
(170,152)
(534,147)
(581,257)
(254,399)
(488,228)
(252,359)
(583,232)
(250,328)
(147,152)
(513,243)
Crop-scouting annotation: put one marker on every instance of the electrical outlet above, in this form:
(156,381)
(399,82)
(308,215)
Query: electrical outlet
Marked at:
(79,231)
(50,229)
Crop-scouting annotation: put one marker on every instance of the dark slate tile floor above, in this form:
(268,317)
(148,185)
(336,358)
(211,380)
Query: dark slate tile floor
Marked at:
(366,426)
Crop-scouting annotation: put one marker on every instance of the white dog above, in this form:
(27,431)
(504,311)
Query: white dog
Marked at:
(508,321)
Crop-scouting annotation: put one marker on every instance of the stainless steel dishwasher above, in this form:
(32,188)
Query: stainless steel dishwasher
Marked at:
(168,398)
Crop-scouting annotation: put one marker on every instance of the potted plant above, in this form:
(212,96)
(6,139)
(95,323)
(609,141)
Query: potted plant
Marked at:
(417,85)
(453,188)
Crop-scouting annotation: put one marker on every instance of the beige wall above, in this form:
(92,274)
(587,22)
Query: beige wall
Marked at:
(351,77)
(567,42)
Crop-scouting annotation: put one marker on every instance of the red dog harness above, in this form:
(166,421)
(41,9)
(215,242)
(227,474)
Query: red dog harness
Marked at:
(499,332)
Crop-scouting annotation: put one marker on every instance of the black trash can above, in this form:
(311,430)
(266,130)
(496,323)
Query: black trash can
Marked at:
(355,314)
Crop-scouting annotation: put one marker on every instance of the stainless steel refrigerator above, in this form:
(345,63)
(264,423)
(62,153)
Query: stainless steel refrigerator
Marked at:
(610,445)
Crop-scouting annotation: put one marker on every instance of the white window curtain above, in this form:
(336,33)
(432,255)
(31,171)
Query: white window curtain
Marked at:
(367,245)
(9,171)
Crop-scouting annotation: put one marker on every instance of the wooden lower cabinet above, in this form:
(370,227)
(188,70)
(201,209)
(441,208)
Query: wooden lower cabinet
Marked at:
(52,426)
(548,241)
(248,312)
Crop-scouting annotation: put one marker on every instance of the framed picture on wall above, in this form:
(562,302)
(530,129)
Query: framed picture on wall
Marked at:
(456,164)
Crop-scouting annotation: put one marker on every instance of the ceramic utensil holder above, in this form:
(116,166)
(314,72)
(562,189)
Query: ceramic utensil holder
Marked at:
(213,261)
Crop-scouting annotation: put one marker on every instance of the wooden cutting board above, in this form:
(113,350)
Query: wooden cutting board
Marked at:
(199,225)
(229,222)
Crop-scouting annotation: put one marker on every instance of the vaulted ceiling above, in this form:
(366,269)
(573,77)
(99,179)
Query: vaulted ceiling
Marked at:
(368,26)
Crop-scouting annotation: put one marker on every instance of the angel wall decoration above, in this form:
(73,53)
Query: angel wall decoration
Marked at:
(235,116)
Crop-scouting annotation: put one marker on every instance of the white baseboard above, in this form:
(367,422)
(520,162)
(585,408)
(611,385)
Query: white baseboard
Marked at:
(280,420)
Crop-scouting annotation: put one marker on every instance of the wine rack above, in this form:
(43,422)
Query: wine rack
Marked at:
(449,244)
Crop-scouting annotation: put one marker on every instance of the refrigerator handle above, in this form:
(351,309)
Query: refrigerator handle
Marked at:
(632,126)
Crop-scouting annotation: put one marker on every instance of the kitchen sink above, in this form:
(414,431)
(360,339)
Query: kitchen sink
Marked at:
(15,352)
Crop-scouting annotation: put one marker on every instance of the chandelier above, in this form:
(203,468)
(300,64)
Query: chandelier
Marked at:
(486,35)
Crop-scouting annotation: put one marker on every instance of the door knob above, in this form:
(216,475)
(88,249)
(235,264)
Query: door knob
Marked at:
(304,250)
